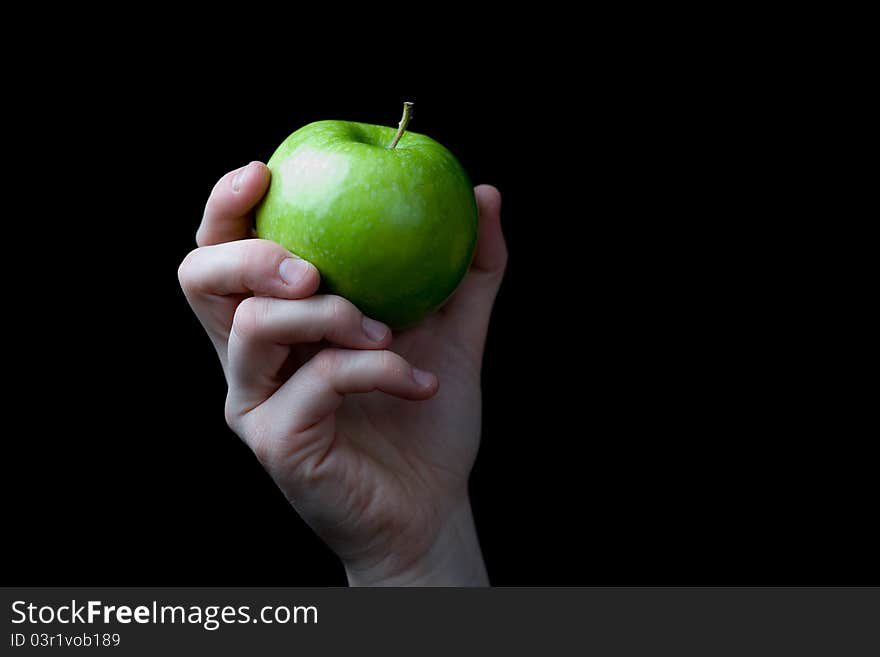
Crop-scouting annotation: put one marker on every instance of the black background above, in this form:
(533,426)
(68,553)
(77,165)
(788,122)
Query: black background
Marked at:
(655,409)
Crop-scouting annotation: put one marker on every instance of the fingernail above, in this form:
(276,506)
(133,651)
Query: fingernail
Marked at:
(423,378)
(293,270)
(239,178)
(374,330)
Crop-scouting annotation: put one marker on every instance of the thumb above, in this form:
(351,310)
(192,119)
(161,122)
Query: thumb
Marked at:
(469,309)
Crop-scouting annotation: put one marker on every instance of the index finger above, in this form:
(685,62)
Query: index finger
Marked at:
(227,214)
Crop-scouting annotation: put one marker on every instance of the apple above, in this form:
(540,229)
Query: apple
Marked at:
(388,218)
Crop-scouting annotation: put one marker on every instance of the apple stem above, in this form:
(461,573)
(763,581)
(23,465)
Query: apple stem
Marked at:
(407,113)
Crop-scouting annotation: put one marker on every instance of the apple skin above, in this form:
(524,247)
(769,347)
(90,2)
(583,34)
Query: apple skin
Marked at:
(391,230)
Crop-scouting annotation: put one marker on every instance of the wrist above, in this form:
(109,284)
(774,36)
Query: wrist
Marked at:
(454,558)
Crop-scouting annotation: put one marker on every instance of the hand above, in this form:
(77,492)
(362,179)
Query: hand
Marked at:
(372,452)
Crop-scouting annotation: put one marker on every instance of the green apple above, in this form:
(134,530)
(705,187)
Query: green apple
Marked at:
(388,218)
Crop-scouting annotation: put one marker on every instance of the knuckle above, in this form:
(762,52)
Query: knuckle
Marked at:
(254,434)
(259,259)
(233,414)
(257,251)
(503,258)
(250,318)
(326,362)
(202,234)
(391,363)
(499,266)
(186,272)
(339,310)
(217,191)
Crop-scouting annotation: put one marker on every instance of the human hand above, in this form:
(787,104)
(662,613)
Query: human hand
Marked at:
(372,452)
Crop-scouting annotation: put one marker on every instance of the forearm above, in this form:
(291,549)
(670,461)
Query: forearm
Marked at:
(454,559)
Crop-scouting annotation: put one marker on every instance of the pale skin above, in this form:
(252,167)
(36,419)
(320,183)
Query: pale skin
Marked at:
(370,435)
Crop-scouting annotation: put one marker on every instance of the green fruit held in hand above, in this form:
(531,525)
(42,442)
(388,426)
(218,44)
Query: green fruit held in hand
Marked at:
(388,217)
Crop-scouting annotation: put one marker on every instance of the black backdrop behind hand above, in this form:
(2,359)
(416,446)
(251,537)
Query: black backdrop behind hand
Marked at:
(640,422)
